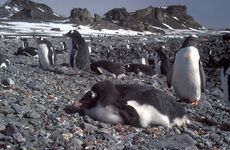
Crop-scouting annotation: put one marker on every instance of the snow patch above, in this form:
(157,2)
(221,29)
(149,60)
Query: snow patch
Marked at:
(175,18)
(22,28)
(16,9)
(56,15)
(41,9)
(163,7)
(167,26)
(7,7)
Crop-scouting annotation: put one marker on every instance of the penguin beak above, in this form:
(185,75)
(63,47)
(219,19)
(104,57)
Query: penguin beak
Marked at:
(87,101)
(65,35)
(78,104)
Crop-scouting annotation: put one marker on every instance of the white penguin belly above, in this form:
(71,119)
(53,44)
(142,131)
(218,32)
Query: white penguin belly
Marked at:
(105,114)
(69,47)
(43,55)
(224,83)
(157,64)
(149,115)
(186,79)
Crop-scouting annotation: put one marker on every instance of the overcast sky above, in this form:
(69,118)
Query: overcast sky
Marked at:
(209,13)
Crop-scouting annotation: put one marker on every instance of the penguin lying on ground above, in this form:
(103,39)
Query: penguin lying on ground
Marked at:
(129,104)
(78,51)
(140,69)
(108,68)
(162,62)
(186,75)
(46,54)
(4,61)
(225,79)
(26,50)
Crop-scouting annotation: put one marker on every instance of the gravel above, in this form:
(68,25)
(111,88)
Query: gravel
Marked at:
(32,100)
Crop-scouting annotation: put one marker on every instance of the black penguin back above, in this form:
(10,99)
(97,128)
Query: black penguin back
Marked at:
(110,66)
(191,40)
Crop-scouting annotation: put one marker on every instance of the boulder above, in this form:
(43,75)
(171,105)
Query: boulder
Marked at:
(117,14)
(81,16)
(97,18)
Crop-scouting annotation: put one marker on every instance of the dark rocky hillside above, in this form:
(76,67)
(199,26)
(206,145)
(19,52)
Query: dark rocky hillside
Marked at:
(150,19)
(27,10)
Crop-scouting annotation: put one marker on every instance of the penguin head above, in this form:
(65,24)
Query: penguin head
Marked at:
(103,93)
(191,40)
(4,61)
(160,49)
(72,34)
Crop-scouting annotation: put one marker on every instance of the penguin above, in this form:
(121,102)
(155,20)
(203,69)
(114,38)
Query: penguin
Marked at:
(140,69)
(130,104)
(187,75)
(62,49)
(26,50)
(46,54)
(63,46)
(78,52)
(108,68)
(4,61)
(161,61)
(225,79)
(24,42)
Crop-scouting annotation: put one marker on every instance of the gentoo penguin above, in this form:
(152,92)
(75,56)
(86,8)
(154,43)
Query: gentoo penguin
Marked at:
(46,54)
(129,104)
(108,68)
(140,69)
(24,42)
(26,50)
(78,52)
(225,79)
(186,75)
(61,49)
(161,61)
(4,61)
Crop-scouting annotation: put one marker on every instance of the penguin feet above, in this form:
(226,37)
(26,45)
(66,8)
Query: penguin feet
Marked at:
(195,103)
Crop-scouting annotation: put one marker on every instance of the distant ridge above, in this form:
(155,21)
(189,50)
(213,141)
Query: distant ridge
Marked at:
(154,19)
(27,10)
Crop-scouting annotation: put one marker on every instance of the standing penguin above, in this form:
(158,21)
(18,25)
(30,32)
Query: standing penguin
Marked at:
(186,74)
(225,79)
(46,54)
(161,61)
(78,52)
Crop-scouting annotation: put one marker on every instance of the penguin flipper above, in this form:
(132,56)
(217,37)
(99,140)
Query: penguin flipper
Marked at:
(72,54)
(51,56)
(169,76)
(129,115)
(202,77)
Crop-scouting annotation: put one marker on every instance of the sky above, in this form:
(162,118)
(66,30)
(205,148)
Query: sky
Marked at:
(209,13)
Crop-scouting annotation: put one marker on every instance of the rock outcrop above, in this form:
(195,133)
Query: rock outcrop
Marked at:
(152,19)
(27,10)
(175,17)
(81,16)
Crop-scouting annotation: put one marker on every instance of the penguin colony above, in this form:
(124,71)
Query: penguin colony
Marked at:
(134,104)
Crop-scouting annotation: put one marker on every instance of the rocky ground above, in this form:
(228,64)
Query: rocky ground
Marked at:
(31,109)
